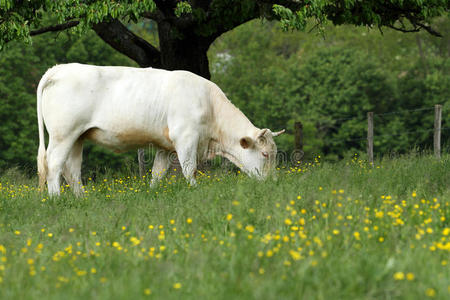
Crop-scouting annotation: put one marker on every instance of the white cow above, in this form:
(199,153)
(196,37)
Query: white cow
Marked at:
(124,108)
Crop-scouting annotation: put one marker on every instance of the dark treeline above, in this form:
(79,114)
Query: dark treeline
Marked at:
(328,82)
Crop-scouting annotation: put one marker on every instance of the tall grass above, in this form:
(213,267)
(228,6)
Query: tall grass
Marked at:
(318,231)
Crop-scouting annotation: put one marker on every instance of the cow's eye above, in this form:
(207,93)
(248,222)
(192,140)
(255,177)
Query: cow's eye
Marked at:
(265,154)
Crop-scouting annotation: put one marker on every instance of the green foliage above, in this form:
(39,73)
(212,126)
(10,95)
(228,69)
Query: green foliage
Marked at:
(183,7)
(17,18)
(330,82)
(329,231)
(371,13)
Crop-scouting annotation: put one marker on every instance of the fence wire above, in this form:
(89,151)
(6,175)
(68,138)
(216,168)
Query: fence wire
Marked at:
(335,141)
(364,117)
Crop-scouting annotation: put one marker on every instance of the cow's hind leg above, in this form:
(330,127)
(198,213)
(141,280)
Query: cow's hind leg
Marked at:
(160,167)
(187,155)
(72,168)
(57,153)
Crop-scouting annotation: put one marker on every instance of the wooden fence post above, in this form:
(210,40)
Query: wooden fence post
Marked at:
(298,134)
(437,130)
(370,137)
(141,162)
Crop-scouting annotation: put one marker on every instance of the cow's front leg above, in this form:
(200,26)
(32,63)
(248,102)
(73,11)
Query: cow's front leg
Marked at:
(187,155)
(161,165)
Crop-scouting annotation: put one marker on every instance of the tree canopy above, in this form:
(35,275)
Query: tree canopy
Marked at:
(187,28)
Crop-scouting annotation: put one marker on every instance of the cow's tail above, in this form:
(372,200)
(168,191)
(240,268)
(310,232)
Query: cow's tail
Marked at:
(42,153)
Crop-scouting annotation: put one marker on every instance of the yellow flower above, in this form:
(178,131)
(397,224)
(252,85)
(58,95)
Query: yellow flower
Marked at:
(17,232)
(147,292)
(379,214)
(71,230)
(414,194)
(177,285)
(250,228)
(410,276)
(135,241)
(399,276)
(430,292)
(229,217)
(189,220)
(295,255)
(336,231)
(288,221)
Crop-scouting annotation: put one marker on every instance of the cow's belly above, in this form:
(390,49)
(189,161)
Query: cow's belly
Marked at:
(128,139)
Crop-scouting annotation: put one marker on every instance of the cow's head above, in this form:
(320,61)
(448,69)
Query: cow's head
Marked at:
(258,153)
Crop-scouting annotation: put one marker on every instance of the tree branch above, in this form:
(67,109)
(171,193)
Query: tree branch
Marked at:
(403,29)
(417,26)
(126,42)
(54,28)
(429,29)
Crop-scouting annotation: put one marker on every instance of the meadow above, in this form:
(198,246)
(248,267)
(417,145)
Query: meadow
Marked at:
(318,231)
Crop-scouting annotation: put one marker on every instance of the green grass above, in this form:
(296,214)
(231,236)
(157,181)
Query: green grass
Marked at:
(327,231)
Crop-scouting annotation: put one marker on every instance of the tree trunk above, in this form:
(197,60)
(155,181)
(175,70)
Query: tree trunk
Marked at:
(183,51)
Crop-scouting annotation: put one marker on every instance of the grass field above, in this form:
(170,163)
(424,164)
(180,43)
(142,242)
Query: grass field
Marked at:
(322,231)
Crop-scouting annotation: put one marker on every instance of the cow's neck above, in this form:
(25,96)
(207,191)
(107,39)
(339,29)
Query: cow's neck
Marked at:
(230,126)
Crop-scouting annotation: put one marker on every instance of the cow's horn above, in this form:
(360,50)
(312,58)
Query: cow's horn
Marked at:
(278,133)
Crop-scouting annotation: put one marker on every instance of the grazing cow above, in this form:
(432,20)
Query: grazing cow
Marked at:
(124,108)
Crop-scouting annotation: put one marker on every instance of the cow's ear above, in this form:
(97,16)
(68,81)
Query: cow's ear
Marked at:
(246,142)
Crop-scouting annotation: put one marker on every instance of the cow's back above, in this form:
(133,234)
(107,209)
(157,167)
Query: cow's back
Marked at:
(134,106)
